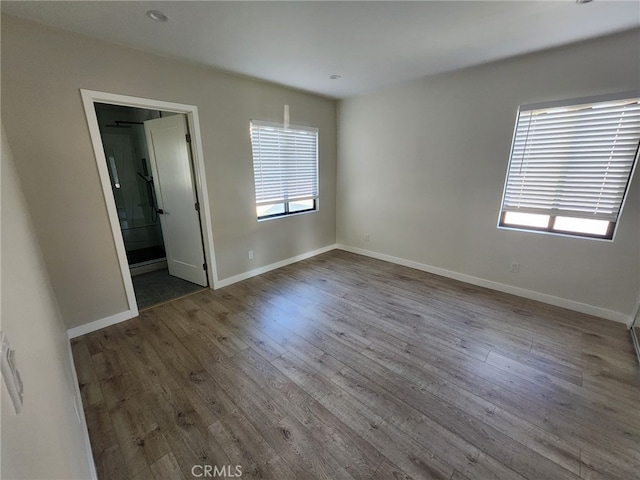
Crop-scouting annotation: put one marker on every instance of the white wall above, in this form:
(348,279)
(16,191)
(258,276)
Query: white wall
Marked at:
(422,167)
(45,440)
(43,70)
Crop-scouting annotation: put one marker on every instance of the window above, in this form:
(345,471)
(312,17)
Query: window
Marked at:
(285,167)
(571,164)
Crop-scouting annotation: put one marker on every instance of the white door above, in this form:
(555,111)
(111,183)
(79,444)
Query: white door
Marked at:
(170,157)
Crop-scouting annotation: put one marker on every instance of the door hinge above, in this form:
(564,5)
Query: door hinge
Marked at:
(204,266)
(197,207)
(188,137)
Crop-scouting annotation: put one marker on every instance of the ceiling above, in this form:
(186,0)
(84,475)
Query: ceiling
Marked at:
(372,45)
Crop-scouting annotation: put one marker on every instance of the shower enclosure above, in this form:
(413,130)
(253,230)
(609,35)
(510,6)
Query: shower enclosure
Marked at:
(125,149)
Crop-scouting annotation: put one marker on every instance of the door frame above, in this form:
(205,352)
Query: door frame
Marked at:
(89,98)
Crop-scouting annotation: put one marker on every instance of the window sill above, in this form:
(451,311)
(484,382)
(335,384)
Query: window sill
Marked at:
(556,234)
(286,215)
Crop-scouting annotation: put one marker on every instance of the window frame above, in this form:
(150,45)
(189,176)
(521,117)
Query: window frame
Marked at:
(286,203)
(612,228)
(288,213)
(550,230)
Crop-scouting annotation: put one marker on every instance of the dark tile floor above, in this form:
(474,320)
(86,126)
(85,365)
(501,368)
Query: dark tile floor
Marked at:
(158,287)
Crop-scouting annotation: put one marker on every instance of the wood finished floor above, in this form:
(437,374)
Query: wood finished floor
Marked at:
(345,367)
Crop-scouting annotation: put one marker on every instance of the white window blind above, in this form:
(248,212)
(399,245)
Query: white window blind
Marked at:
(285,162)
(573,160)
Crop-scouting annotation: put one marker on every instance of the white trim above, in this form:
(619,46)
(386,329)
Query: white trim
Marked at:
(501,287)
(287,215)
(152,266)
(89,97)
(557,233)
(608,97)
(267,268)
(83,420)
(203,197)
(481,282)
(635,317)
(102,323)
(282,126)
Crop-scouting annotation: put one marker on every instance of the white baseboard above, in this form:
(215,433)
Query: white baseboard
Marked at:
(102,323)
(149,267)
(267,268)
(501,287)
(481,282)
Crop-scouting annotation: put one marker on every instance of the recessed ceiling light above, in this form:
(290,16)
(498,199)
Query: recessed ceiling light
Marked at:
(157,15)
(584,1)
(335,77)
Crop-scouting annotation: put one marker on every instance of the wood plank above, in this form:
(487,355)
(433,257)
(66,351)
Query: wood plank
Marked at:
(278,469)
(596,466)
(359,458)
(396,373)
(397,447)
(239,324)
(90,391)
(140,438)
(388,470)
(309,379)
(186,433)
(166,468)
(144,475)
(296,445)
(424,423)
(101,432)
(580,398)
(214,330)
(110,464)
(244,445)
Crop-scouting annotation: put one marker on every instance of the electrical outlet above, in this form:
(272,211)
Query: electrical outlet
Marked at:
(366,237)
(250,254)
(514,267)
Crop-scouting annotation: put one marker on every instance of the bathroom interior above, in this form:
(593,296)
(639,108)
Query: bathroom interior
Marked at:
(128,162)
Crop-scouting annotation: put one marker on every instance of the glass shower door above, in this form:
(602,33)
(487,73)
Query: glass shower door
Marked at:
(133,192)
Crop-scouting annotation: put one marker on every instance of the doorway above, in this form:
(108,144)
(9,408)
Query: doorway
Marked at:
(152,176)
(134,161)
